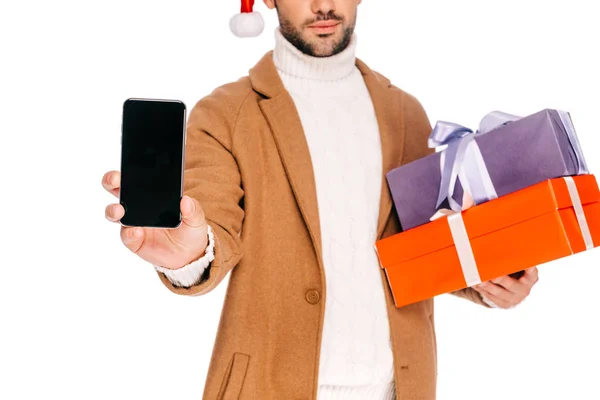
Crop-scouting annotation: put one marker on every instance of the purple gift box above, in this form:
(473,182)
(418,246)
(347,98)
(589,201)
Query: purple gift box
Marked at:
(510,154)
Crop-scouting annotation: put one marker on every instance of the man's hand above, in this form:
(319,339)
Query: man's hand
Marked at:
(168,248)
(507,292)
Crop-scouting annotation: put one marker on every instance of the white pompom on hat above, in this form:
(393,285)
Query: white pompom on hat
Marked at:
(247,23)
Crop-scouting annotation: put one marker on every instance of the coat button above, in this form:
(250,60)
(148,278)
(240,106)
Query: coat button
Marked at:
(313,296)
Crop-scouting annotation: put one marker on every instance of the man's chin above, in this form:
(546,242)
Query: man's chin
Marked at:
(324,45)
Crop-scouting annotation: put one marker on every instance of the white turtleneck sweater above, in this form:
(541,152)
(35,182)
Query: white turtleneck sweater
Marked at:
(341,130)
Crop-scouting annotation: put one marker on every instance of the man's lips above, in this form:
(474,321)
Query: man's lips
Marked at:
(324,27)
(324,24)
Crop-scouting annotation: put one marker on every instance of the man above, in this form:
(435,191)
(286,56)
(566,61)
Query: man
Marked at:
(295,154)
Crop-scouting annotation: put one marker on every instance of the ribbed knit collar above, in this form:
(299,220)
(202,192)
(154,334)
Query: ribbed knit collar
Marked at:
(291,61)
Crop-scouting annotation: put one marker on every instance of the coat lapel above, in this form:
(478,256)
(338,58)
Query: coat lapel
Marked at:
(391,131)
(282,116)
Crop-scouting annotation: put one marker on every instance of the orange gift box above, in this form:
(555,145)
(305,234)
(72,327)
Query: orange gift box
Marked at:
(535,225)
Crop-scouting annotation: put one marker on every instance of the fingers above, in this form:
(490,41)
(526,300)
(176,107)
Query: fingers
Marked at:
(498,292)
(111,181)
(499,301)
(114,212)
(506,291)
(510,284)
(530,277)
(133,238)
(521,287)
(192,213)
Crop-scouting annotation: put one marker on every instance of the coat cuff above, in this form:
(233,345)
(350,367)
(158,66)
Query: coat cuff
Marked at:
(191,274)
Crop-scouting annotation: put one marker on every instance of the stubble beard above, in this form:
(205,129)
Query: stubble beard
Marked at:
(294,36)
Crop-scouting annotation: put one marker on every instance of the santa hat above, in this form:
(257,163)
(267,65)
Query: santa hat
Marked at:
(248,23)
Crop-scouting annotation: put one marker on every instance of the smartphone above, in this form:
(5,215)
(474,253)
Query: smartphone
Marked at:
(152,162)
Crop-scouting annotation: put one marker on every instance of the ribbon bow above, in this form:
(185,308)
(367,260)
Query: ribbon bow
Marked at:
(462,159)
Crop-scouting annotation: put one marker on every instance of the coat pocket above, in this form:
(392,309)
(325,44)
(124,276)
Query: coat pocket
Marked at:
(231,386)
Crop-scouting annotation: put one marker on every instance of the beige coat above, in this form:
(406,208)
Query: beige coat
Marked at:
(248,164)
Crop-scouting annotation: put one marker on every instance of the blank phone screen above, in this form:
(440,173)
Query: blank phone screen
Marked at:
(152,153)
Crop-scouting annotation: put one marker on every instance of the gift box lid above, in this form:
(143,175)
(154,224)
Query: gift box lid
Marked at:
(534,201)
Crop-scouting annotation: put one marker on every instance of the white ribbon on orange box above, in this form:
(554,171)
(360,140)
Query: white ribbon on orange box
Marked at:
(465,251)
(578,207)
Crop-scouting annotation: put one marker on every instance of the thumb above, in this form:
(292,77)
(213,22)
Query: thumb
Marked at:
(192,213)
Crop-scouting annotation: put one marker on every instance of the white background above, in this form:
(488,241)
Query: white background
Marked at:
(82,318)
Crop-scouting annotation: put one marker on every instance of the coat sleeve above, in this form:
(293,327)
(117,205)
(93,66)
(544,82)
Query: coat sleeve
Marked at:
(416,141)
(212,176)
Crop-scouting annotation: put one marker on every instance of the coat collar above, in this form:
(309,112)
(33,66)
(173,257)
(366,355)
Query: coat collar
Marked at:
(282,116)
(266,81)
